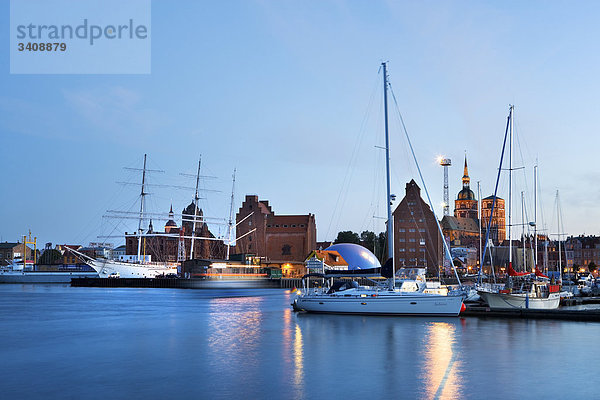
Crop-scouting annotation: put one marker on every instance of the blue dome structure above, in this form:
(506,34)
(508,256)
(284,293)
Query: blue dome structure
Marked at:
(357,256)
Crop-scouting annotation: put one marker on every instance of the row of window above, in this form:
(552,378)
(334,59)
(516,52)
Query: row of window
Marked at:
(410,220)
(412,230)
(411,260)
(286,226)
(412,240)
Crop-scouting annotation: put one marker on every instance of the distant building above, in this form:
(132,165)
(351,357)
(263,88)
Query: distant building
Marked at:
(498,225)
(279,240)
(462,229)
(11,250)
(584,250)
(165,246)
(417,241)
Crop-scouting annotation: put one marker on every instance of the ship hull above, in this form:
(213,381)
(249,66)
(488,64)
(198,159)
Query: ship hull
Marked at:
(107,269)
(43,277)
(500,301)
(381,305)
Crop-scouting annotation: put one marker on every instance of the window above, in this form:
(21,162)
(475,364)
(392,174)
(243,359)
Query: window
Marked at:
(302,225)
(422,230)
(411,230)
(401,240)
(411,250)
(268,226)
(293,225)
(276,225)
(250,223)
(285,226)
(422,242)
(412,240)
(402,230)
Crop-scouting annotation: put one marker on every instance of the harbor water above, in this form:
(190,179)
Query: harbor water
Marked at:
(62,342)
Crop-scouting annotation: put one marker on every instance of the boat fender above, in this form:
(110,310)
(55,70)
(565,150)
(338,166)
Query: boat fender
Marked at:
(463,307)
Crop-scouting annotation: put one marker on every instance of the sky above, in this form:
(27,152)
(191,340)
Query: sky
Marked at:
(290,95)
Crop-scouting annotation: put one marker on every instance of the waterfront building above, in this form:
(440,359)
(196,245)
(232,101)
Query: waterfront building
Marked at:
(320,261)
(582,250)
(417,242)
(11,250)
(280,241)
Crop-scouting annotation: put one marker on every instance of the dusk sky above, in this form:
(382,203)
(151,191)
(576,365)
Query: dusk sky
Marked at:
(289,94)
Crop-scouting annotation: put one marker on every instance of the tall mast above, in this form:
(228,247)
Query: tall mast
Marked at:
(196,198)
(511,111)
(523,230)
(535,238)
(390,230)
(559,235)
(230,223)
(479,215)
(143,194)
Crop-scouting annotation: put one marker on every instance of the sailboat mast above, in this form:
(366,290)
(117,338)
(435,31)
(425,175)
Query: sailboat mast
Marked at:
(523,230)
(230,224)
(535,238)
(511,108)
(142,196)
(390,229)
(479,218)
(559,235)
(196,198)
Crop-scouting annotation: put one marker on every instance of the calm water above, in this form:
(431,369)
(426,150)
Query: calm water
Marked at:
(58,342)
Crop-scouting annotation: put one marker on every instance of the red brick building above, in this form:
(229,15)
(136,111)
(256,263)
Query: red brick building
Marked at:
(277,239)
(417,241)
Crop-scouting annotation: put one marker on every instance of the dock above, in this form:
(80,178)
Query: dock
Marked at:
(562,313)
(177,283)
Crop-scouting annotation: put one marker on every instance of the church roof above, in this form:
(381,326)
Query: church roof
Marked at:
(466,194)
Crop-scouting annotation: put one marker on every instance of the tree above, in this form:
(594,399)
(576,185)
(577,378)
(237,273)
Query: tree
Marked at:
(367,239)
(592,266)
(347,237)
(50,256)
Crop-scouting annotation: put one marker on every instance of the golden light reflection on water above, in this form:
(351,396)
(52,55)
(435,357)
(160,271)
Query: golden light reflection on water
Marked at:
(235,327)
(293,350)
(442,367)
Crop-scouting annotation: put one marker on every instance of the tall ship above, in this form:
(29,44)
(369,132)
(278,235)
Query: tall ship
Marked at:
(141,265)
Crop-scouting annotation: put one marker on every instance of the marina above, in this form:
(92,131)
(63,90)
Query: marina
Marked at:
(150,343)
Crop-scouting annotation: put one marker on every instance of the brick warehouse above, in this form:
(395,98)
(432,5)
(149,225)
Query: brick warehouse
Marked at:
(417,241)
(279,240)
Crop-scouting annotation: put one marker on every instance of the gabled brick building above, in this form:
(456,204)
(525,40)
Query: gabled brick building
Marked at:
(417,241)
(278,239)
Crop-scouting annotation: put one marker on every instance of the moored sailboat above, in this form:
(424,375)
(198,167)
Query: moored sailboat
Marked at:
(347,297)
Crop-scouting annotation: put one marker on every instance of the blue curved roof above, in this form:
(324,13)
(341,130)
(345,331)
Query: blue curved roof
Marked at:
(357,256)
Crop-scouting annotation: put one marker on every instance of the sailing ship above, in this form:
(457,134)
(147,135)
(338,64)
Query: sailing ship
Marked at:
(140,266)
(347,297)
(523,290)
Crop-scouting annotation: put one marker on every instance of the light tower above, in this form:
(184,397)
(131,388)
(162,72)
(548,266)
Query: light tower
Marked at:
(445,162)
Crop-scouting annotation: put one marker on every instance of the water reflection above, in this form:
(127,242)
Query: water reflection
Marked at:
(294,359)
(442,365)
(234,332)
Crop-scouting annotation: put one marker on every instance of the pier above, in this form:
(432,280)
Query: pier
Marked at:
(562,313)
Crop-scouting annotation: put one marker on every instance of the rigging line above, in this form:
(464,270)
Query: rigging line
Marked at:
(346,179)
(425,186)
(489,225)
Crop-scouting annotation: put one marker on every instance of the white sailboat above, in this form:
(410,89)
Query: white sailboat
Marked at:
(523,290)
(411,298)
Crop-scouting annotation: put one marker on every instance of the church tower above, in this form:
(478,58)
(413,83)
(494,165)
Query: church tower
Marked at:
(465,205)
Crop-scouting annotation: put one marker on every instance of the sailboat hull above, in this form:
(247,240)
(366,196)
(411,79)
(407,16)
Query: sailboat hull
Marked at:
(394,304)
(499,301)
